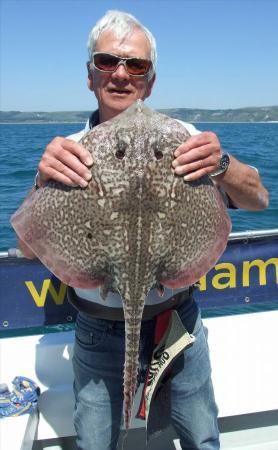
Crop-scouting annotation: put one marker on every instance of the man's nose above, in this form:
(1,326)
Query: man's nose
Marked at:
(121,72)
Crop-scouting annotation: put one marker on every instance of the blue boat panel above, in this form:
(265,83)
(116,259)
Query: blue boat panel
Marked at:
(244,279)
(31,296)
(247,273)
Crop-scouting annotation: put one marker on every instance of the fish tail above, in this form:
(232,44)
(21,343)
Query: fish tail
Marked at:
(133,303)
(130,376)
(128,403)
(131,367)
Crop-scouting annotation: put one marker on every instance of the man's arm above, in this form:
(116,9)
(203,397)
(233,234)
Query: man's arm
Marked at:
(200,155)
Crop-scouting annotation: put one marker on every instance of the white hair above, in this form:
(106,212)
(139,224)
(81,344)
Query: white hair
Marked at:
(121,24)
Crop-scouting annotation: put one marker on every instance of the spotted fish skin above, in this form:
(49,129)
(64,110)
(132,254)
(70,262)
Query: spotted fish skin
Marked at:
(136,224)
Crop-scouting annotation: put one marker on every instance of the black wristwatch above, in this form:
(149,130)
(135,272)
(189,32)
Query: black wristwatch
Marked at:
(223,165)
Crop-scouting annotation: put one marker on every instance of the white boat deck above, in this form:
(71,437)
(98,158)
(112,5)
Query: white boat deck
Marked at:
(245,373)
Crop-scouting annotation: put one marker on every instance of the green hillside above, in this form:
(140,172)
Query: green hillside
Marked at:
(260,114)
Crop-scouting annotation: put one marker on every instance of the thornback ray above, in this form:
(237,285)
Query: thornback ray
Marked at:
(137,225)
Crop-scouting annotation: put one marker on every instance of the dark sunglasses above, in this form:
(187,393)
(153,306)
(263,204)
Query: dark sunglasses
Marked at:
(106,62)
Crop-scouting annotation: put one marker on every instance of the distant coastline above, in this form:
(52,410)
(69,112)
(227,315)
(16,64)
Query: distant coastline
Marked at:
(266,114)
(189,121)
(41,123)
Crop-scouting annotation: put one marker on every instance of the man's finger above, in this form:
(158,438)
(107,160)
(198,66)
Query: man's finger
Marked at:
(204,138)
(194,166)
(66,176)
(193,155)
(78,150)
(72,162)
(198,174)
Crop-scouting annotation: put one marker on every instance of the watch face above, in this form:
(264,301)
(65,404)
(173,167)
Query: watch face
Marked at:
(223,165)
(224,162)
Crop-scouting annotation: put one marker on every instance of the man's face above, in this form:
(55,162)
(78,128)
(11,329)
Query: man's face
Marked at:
(116,91)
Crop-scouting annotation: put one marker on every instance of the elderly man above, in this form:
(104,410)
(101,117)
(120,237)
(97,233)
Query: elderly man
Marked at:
(121,69)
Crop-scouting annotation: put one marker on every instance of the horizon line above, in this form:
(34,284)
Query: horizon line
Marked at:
(164,108)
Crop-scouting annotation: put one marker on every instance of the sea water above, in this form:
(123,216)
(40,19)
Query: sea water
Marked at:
(21,147)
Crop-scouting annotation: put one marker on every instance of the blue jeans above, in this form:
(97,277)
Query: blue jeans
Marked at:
(98,386)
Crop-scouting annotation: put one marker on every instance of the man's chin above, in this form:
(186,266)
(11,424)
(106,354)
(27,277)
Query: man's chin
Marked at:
(112,105)
(120,104)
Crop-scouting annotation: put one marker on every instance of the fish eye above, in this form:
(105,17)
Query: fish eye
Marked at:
(156,146)
(120,152)
(157,152)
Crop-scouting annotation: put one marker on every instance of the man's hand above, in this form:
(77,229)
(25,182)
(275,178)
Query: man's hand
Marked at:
(65,161)
(198,156)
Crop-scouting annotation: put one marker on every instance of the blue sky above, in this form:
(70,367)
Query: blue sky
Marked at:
(211,54)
